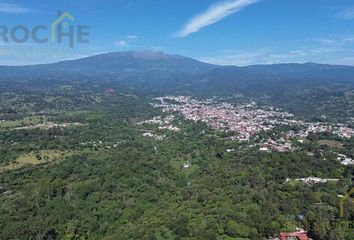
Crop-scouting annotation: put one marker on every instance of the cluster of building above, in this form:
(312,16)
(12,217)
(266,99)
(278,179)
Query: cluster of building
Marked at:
(164,123)
(151,135)
(246,120)
(101,144)
(340,130)
(49,125)
(313,180)
(281,145)
(298,234)
(170,128)
(159,120)
(345,160)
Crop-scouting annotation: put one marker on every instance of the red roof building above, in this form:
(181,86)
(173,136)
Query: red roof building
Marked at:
(109,91)
(297,235)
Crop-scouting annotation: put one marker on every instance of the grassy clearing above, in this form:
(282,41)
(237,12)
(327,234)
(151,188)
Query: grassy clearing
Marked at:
(331,143)
(49,125)
(36,158)
(32,120)
(50,99)
(66,87)
(179,165)
(53,99)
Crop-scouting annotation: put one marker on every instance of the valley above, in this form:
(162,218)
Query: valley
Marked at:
(177,120)
(214,160)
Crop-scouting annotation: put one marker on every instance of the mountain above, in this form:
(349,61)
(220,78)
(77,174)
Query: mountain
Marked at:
(118,63)
(157,71)
(309,89)
(276,77)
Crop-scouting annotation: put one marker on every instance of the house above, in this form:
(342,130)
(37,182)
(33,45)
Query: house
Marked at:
(315,180)
(264,149)
(186,165)
(110,91)
(299,234)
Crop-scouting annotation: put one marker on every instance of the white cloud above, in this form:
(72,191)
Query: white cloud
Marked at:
(126,41)
(121,43)
(348,39)
(157,48)
(132,37)
(321,54)
(240,58)
(214,14)
(336,40)
(325,40)
(14,9)
(347,14)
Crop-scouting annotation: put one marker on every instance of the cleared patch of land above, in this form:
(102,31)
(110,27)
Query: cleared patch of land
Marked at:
(331,143)
(36,158)
(48,125)
(31,120)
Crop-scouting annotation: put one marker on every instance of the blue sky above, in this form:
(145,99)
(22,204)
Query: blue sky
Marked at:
(228,32)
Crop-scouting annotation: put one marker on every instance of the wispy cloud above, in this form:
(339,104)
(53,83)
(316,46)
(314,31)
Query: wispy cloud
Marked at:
(347,14)
(214,14)
(241,58)
(320,54)
(126,41)
(325,40)
(121,43)
(13,8)
(132,37)
(335,40)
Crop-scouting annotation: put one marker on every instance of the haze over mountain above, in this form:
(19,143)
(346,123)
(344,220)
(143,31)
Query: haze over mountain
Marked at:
(155,71)
(118,63)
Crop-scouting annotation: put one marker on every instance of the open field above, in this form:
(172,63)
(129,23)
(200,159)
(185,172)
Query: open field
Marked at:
(32,120)
(49,125)
(331,143)
(36,158)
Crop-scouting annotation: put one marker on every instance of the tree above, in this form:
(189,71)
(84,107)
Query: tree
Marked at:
(235,229)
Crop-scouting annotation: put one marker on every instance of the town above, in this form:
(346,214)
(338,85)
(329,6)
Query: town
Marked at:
(246,120)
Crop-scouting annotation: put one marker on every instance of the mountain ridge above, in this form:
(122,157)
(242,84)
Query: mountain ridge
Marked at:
(163,55)
(156,71)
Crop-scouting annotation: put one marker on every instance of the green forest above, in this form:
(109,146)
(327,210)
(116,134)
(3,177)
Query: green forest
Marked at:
(74,164)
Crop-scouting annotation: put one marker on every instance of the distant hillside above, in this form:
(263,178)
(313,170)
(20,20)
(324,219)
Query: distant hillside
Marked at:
(309,89)
(269,78)
(123,64)
(160,72)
